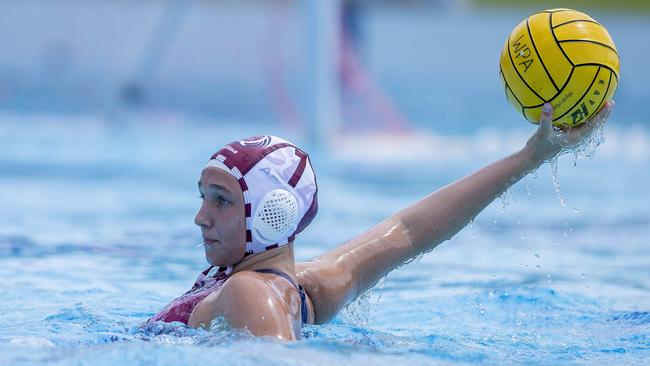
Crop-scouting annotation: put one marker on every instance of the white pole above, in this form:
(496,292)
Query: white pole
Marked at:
(323,32)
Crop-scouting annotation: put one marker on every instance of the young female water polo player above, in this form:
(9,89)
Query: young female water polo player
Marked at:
(258,193)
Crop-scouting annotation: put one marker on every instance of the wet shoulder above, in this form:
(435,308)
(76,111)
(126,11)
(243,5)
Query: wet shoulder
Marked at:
(259,287)
(240,296)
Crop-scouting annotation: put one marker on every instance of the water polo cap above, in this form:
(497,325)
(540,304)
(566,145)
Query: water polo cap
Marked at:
(279,187)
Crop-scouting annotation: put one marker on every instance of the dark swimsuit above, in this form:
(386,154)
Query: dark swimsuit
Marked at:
(180,309)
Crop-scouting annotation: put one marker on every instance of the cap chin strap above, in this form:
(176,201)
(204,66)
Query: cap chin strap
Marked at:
(226,270)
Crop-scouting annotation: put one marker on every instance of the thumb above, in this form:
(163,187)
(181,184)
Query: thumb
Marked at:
(546,120)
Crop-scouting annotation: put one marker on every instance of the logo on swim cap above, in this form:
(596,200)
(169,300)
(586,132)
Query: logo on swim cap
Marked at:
(256,141)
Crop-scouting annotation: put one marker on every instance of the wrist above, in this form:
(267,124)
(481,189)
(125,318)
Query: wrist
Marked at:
(532,158)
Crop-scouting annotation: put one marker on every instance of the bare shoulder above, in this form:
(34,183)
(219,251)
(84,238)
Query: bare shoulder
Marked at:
(251,301)
(247,285)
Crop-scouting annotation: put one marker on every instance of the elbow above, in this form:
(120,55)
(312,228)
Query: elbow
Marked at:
(408,235)
(422,237)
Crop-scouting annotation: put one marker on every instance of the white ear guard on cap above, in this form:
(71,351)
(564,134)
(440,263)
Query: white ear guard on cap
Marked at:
(276,216)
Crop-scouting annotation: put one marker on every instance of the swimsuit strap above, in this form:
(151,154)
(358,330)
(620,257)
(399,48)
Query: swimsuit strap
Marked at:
(301,291)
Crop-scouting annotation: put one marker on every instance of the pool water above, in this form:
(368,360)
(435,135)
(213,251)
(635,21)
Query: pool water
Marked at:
(96,235)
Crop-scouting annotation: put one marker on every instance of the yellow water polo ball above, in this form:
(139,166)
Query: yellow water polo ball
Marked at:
(563,57)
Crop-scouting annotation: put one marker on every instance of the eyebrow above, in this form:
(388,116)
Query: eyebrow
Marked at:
(216,186)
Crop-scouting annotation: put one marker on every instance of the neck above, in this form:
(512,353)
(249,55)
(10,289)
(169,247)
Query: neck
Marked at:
(280,258)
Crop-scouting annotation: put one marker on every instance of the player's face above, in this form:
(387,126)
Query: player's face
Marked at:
(221,217)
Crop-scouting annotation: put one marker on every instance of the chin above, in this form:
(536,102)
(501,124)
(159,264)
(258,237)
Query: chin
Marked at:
(214,260)
(217,256)
(218,260)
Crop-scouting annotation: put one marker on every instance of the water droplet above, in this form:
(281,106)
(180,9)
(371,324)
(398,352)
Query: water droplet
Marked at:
(537,255)
(357,312)
(382,283)
(528,192)
(537,267)
(472,228)
(504,199)
(553,163)
(534,173)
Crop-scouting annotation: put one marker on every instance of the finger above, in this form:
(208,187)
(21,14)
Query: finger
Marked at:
(609,108)
(546,120)
(598,118)
(603,114)
(578,132)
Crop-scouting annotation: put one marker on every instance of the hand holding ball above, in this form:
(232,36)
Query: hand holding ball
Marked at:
(563,57)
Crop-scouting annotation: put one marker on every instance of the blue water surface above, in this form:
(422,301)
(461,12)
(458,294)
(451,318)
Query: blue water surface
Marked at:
(97,204)
(96,235)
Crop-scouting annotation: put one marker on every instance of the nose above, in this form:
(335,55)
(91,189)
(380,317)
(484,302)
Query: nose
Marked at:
(202,218)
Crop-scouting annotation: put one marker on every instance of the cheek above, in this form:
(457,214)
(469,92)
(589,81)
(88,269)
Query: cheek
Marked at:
(236,223)
(234,232)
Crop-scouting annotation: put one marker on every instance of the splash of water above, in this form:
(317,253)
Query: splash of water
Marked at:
(381,285)
(357,312)
(505,200)
(472,228)
(528,192)
(534,173)
(586,149)
(556,184)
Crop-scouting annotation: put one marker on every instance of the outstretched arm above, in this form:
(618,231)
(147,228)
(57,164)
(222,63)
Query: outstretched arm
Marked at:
(337,277)
(442,214)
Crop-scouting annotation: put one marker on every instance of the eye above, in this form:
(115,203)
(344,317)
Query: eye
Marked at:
(222,201)
(202,196)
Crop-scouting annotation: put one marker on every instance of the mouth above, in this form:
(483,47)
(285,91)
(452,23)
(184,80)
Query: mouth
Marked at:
(208,241)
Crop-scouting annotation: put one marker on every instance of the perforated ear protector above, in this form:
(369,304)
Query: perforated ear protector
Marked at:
(276,216)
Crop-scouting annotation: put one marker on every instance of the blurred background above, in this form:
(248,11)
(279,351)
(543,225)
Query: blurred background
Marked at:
(301,66)
(110,109)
